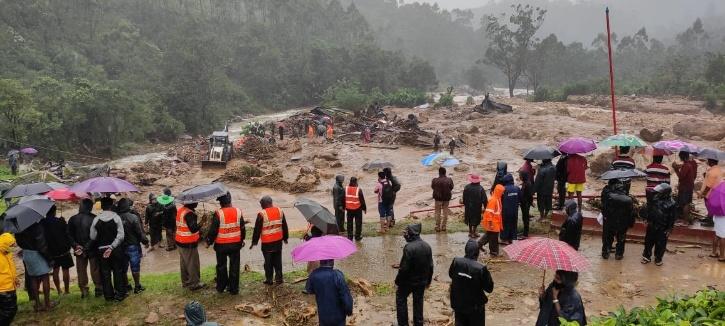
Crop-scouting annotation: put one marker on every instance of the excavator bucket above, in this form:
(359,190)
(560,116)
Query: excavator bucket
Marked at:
(206,164)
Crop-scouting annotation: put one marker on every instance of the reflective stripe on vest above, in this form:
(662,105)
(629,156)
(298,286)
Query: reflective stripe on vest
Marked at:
(183,234)
(271,224)
(230,230)
(352,198)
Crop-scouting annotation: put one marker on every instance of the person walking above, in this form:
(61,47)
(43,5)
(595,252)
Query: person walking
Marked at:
(187,237)
(334,302)
(396,187)
(492,221)
(59,246)
(442,193)
(571,229)
(338,201)
(168,217)
(656,175)
(474,200)
(271,229)
(415,274)
(510,213)
(526,201)
(576,168)
(561,176)
(561,300)
(661,215)
(470,281)
(686,174)
(617,211)
(713,177)
(355,207)
(544,187)
(134,236)
(384,190)
(79,229)
(227,234)
(154,219)
(8,280)
(107,233)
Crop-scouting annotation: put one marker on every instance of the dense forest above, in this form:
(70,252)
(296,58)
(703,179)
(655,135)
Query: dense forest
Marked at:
(103,73)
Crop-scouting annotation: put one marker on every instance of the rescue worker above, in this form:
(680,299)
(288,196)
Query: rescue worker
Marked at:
(617,210)
(492,221)
(470,280)
(227,234)
(510,213)
(338,201)
(310,131)
(355,207)
(271,229)
(437,141)
(452,145)
(661,215)
(329,132)
(187,238)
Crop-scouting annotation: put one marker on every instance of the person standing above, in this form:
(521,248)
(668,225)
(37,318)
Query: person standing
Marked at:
(332,295)
(384,190)
(561,300)
(571,229)
(686,174)
(492,221)
(452,145)
(271,229)
(35,254)
(396,187)
(367,135)
(576,168)
(510,213)
(713,177)
(227,233)
(470,281)
(330,132)
(13,163)
(623,161)
(134,236)
(8,280)
(662,211)
(442,193)
(59,245)
(280,126)
(107,233)
(414,275)
(437,141)
(168,217)
(527,200)
(501,171)
(355,207)
(154,216)
(528,167)
(79,229)
(656,175)
(561,177)
(617,211)
(544,185)
(187,237)
(474,200)
(338,201)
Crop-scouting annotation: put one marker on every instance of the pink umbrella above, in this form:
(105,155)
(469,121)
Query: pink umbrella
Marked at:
(577,145)
(323,248)
(64,194)
(545,253)
(676,146)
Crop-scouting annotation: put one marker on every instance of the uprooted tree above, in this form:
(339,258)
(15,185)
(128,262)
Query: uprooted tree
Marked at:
(511,42)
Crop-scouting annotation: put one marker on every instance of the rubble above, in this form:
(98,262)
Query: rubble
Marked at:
(363,285)
(489,106)
(256,147)
(259,310)
(707,130)
(307,179)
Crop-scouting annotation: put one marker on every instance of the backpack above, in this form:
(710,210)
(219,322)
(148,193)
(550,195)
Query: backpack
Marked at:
(387,192)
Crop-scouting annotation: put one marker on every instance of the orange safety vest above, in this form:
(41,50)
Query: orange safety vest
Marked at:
(329,132)
(492,221)
(183,234)
(230,231)
(352,198)
(271,224)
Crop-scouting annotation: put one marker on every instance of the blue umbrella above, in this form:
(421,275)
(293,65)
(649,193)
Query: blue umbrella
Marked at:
(436,158)
(450,162)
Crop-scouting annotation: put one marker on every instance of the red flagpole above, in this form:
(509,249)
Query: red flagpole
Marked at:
(611,75)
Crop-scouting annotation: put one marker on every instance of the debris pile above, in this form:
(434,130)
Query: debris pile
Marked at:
(489,106)
(256,147)
(307,179)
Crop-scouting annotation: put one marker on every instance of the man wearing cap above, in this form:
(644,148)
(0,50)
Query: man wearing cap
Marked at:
(271,229)
(187,237)
(661,214)
(168,217)
(227,234)
(474,201)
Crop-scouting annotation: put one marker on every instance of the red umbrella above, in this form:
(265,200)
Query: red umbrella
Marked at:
(63,194)
(545,253)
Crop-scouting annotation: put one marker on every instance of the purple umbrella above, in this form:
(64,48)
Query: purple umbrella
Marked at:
(29,151)
(323,248)
(675,146)
(576,145)
(104,185)
(716,201)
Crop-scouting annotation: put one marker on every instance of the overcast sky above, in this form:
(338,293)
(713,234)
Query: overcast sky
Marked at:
(453,4)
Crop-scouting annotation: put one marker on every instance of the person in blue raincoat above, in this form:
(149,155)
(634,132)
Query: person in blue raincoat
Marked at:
(510,213)
(334,302)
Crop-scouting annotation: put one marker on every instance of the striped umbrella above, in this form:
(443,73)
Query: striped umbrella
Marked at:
(545,253)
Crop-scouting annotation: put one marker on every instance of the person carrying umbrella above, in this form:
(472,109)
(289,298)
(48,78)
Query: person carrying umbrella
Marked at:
(561,176)
(107,235)
(168,217)
(8,280)
(338,201)
(661,214)
(492,221)
(576,168)
(334,302)
(544,185)
(271,229)
(227,233)
(686,174)
(561,300)
(470,280)
(79,229)
(355,207)
(618,214)
(154,219)
(474,201)
(187,237)
(415,274)
(134,236)
(59,245)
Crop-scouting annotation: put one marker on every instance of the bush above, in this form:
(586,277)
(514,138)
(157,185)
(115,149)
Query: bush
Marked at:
(544,94)
(446,98)
(345,95)
(710,102)
(405,97)
(470,101)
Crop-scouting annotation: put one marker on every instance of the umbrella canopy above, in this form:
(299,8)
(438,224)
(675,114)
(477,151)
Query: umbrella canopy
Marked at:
(31,197)
(23,215)
(28,189)
(316,214)
(711,154)
(541,152)
(323,248)
(651,151)
(450,162)
(576,145)
(676,146)
(29,151)
(5,186)
(56,185)
(377,165)
(716,201)
(202,193)
(13,152)
(545,253)
(63,194)
(620,174)
(104,185)
(622,140)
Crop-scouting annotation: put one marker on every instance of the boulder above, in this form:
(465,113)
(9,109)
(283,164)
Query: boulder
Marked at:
(152,318)
(601,163)
(705,129)
(651,136)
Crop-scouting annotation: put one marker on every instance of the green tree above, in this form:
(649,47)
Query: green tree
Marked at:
(16,106)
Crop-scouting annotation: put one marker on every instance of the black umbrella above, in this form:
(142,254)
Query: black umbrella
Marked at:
(5,186)
(317,215)
(622,174)
(712,154)
(541,152)
(28,189)
(202,193)
(21,216)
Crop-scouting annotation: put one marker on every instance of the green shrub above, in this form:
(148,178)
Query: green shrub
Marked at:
(710,102)
(446,98)
(544,94)
(405,97)
(470,101)
(345,95)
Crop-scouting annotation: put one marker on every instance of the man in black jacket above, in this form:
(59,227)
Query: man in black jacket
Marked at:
(415,274)
(561,181)
(35,261)
(470,280)
(544,186)
(154,213)
(571,229)
(134,236)
(338,201)
(79,229)
(617,210)
(396,187)
(661,215)
(227,234)
(107,235)
(168,218)
(271,229)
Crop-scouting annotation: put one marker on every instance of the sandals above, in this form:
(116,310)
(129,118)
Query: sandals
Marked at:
(645,260)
